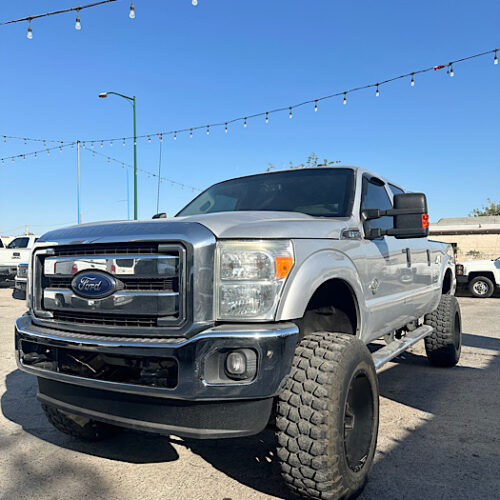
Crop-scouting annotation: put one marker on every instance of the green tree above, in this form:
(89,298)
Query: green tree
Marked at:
(491,208)
(311,162)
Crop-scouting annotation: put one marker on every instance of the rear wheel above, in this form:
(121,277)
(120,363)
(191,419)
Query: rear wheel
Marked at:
(327,417)
(79,427)
(481,287)
(444,346)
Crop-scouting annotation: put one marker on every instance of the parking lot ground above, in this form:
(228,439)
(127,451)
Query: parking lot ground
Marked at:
(439,436)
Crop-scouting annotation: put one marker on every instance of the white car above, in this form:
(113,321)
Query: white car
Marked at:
(480,276)
(17,252)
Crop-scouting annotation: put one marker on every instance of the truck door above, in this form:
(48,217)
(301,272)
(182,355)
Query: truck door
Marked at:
(387,272)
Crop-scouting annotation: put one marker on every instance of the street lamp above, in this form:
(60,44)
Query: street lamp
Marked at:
(103,95)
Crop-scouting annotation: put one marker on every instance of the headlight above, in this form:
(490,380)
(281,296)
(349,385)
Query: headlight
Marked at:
(250,276)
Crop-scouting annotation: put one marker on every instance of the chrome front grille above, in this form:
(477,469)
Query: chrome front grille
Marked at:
(151,286)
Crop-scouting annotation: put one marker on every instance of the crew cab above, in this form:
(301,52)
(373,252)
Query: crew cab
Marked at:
(481,277)
(254,304)
(16,252)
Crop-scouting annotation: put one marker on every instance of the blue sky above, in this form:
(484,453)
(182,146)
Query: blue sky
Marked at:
(226,58)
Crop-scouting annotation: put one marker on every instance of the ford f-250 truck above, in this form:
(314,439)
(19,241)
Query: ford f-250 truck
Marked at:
(16,252)
(257,299)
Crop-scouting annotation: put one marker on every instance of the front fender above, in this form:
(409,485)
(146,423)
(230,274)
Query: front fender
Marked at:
(308,275)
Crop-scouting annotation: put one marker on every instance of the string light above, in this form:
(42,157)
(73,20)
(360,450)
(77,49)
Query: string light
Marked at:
(195,2)
(266,114)
(131,14)
(175,136)
(111,143)
(291,113)
(377,93)
(102,144)
(161,137)
(29,35)
(78,25)
(316,106)
(225,127)
(149,139)
(191,134)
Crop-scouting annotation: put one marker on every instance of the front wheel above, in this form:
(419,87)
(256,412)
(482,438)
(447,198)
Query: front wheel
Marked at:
(79,427)
(327,417)
(481,287)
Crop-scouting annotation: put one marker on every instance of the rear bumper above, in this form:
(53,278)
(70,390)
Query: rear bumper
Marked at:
(194,407)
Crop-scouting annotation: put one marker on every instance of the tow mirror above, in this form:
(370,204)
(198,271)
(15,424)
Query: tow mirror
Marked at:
(411,219)
(161,215)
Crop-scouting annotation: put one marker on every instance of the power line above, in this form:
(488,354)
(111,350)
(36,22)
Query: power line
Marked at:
(147,172)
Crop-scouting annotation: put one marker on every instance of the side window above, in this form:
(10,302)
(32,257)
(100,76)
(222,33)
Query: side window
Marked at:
(395,190)
(19,243)
(374,195)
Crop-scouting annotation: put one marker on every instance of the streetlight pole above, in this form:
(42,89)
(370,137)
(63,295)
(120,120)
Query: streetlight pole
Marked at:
(132,100)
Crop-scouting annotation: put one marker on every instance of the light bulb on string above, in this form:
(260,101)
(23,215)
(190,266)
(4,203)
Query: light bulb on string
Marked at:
(225,127)
(452,73)
(102,144)
(267,117)
(315,106)
(29,35)
(12,159)
(194,3)
(123,142)
(495,59)
(377,93)
(24,157)
(78,25)
(111,143)
(208,130)
(44,144)
(191,134)
(175,136)
(48,152)
(245,123)
(412,82)
(35,154)
(5,139)
(131,14)
(291,113)
(91,144)
(345,97)
(149,139)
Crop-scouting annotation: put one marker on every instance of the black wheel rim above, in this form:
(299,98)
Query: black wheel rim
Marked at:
(358,421)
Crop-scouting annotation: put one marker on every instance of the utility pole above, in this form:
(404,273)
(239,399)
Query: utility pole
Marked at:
(79,214)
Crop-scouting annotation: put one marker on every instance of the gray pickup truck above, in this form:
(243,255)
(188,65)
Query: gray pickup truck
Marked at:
(253,306)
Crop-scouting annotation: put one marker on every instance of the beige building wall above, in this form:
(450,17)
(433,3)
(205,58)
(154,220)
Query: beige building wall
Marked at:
(488,245)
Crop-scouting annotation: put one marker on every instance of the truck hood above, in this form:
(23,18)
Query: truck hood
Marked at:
(223,225)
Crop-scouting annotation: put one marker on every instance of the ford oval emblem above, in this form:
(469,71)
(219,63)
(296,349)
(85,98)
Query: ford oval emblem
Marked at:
(94,284)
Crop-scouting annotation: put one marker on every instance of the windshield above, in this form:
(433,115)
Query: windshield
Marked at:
(324,192)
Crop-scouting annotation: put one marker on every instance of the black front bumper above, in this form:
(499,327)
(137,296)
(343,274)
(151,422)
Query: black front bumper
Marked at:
(191,406)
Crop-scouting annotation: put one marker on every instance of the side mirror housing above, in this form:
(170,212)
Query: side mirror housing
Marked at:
(411,219)
(161,215)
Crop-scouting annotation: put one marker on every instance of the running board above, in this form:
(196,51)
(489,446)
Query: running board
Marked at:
(396,347)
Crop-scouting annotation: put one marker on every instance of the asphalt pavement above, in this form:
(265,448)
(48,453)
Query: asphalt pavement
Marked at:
(439,436)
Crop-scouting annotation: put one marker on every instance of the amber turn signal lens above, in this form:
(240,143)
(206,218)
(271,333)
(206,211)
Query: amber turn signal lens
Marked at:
(283,266)
(425,221)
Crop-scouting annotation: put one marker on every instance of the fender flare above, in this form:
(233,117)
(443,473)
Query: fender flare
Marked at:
(317,269)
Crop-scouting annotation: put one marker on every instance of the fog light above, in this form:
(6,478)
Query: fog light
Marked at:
(236,363)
